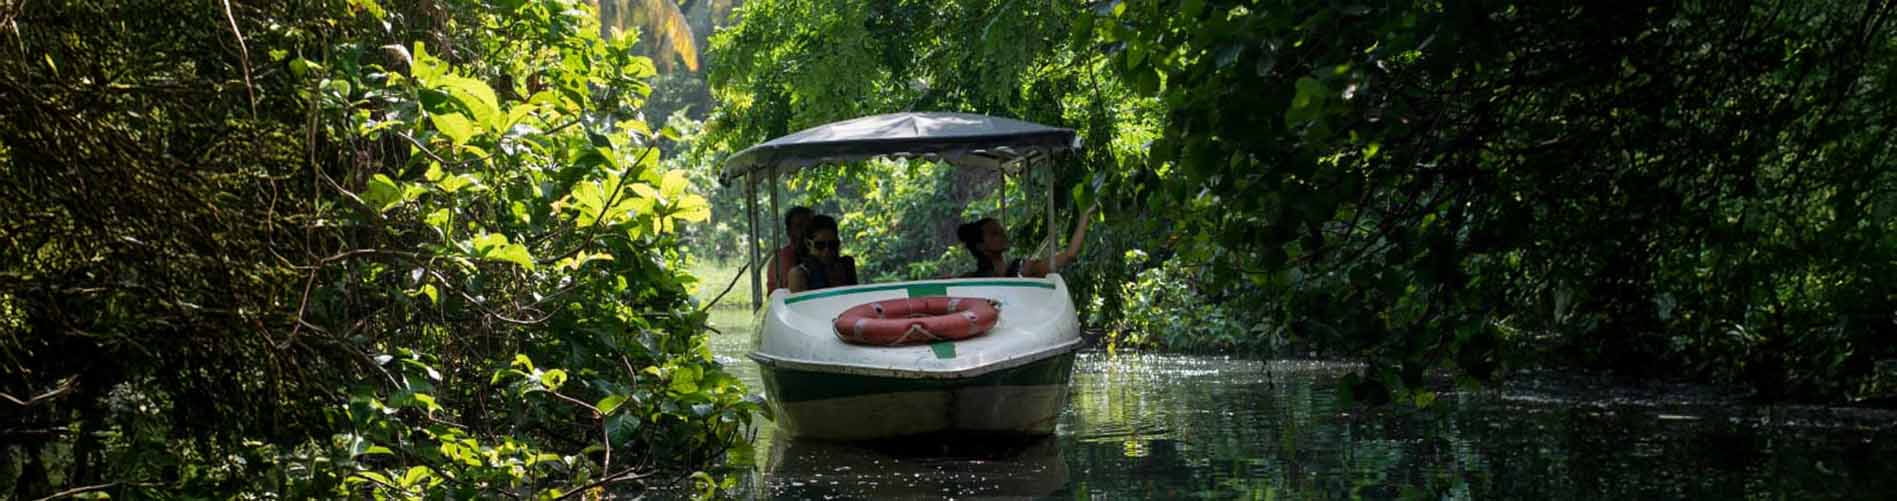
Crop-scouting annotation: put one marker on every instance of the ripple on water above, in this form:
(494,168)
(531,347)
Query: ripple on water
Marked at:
(1173,426)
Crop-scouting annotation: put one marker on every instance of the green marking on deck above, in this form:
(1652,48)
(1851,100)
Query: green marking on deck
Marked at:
(927,290)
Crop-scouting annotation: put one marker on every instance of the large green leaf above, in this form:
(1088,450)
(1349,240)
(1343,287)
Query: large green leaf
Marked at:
(455,126)
(478,99)
(423,67)
(383,193)
(495,246)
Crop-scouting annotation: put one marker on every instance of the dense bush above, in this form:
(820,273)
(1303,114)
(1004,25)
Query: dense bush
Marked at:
(1686,188)
(340,248)
(1163,308)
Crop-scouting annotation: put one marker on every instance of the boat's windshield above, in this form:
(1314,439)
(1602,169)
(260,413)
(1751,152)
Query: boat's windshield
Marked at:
(893,220)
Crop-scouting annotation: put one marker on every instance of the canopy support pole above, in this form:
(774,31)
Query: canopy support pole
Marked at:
(1004,195)
(1052,233)
(750,210)
(777,232)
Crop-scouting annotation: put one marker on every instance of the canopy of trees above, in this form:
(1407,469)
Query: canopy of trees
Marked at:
(1685,189)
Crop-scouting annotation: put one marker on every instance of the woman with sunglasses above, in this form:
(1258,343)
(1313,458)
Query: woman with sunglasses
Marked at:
(819,263)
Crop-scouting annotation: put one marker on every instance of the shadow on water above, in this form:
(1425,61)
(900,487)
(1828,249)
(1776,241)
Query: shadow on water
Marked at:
(928,468)
(1175,426)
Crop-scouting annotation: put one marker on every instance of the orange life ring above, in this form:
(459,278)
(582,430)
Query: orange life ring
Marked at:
(898,322)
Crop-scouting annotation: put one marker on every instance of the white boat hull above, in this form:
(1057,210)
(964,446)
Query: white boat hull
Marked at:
(1012,380)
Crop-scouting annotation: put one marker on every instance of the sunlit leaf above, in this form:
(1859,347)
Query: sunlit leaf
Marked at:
(434,296)
(439,219)
(456,182)
(638,126)
(610,403)
(646,191)
(684,380)
(591,200)
(300,67)
(425,68)
(478,98)
(553,379)
(692,208)
(578,260)
(383,193)
(428,402)
(664,26)
(457,127)
(495,246)
(371,476)
(415,475)
(673,185)
(517,254)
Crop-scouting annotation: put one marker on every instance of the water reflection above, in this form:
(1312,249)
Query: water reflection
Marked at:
(928,469)
(1165,426)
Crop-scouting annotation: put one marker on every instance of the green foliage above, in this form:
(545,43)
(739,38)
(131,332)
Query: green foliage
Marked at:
(325,263)
(1689,185)
(722,238)
(1165,309)
(791,64)
(1695,188)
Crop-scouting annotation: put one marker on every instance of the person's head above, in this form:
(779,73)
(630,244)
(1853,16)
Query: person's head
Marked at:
(820,239)
(983,238)
(797,221)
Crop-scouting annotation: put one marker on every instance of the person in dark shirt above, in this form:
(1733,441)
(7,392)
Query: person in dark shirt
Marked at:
(821,263)
(796,220)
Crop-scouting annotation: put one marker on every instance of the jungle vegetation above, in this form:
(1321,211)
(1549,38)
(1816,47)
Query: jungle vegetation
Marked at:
(345,248)
(410,248)
(1698,190)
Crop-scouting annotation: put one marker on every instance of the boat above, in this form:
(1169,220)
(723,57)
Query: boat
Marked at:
(1009,381)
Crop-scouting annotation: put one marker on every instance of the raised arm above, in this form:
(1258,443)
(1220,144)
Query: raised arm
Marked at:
(1079,237)
(1040,268)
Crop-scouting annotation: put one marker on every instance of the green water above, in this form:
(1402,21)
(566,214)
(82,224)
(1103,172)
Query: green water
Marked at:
(1164,426)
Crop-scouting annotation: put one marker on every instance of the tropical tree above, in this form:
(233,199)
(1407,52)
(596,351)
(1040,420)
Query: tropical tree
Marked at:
(345,249)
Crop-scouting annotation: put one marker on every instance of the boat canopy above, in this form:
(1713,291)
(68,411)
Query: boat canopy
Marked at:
(960,139)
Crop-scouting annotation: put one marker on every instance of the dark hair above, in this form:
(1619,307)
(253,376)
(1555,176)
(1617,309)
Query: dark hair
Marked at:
(817,223)
(793,213)
(820,222)
(971,237)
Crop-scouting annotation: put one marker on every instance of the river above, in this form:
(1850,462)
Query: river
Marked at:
(1147,426)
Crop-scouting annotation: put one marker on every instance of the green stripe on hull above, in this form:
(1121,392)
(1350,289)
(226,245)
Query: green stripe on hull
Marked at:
(791,385)
(917,290)
(927,290)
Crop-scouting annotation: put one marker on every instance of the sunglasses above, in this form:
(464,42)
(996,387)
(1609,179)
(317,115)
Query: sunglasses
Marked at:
(826,244)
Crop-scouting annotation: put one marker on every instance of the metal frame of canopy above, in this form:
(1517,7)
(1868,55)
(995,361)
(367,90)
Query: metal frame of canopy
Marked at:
(959,139)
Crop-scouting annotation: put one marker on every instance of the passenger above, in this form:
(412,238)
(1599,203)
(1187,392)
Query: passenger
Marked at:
(987,241)
(795,221)
(821,266)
